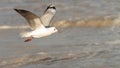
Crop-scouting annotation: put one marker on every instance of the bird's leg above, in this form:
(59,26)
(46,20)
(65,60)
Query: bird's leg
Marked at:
(28,39)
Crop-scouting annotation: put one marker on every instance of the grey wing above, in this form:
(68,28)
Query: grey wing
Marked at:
(48,15)
(33,20)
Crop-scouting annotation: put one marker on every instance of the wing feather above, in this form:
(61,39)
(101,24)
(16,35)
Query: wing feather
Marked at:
(33,20)
(48,15)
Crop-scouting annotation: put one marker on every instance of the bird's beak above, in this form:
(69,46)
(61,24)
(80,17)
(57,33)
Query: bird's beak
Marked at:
(59,31)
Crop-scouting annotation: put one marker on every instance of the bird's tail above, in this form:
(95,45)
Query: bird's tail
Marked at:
(24,34)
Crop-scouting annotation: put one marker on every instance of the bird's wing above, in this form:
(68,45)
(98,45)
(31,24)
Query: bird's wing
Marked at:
(48,15)
(33,20)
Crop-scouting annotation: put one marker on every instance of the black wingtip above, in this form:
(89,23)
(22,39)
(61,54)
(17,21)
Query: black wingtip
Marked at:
(51,6)
(16,9)
(20,10)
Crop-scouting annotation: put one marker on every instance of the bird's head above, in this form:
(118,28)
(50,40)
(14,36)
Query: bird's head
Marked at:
(53,29)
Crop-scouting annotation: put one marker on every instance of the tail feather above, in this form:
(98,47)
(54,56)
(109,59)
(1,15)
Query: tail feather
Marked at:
(24,34)
(27,36)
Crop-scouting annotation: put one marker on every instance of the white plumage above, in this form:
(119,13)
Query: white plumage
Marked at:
(40,26)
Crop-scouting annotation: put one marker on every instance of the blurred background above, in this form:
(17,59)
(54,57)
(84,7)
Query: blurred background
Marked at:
(89,37)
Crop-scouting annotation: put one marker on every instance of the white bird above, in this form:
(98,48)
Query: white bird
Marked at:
(40,26)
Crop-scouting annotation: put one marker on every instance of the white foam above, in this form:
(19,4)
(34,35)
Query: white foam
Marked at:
(113,42)
(13,27)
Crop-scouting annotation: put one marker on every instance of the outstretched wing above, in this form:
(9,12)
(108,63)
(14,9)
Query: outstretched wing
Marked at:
(33,20)
(48,15)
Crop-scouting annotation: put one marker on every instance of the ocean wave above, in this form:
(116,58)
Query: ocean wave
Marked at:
(41,57)
(13,27)
(88,22)
(113,42)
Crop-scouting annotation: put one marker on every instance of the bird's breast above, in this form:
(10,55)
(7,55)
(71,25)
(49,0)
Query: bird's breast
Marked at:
(40,33)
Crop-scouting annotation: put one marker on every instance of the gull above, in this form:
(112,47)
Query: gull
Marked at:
(40,26)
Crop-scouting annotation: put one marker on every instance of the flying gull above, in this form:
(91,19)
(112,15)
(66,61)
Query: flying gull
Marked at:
(40,26)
